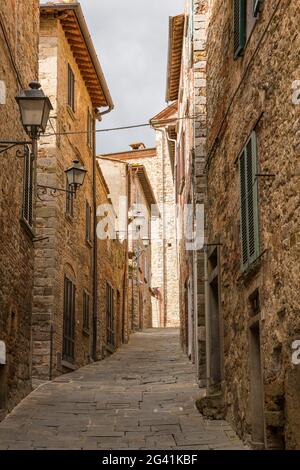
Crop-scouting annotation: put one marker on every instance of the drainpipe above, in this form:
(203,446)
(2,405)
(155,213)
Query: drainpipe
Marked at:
(95,246)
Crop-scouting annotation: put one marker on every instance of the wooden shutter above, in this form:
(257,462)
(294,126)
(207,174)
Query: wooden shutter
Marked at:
(239,27)
(249,203)
(256,5)
(244,216)
(71,88)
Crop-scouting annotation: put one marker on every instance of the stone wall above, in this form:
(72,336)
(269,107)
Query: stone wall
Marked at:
(255,92)
(140,267)
(112,269)
(163,245)
(19,24)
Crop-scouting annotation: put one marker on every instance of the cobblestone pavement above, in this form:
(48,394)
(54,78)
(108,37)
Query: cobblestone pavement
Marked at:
(142,397)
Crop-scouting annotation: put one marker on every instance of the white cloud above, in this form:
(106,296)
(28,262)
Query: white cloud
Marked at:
(131,39)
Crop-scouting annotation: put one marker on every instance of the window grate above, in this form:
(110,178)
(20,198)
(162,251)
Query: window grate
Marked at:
(68,352)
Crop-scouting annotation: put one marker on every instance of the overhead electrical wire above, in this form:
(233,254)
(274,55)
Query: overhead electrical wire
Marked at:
(135,126)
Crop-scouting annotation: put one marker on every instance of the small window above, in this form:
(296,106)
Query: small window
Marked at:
(249,203)
(69,200)
(27,209)
(88,222)
(239,26)
(90,128)
(86,312)
(71,88)
(254,300)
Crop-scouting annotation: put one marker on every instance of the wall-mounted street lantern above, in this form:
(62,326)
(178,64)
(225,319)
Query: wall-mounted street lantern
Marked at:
(35,109)
(75,176)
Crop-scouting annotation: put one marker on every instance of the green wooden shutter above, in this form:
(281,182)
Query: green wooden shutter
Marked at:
(244,213)
(249,204)
(256,5)
(253,199)
(239,7)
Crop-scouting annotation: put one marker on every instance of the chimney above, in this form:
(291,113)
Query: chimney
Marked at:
(138,146)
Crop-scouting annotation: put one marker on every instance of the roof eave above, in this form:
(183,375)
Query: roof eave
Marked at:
(76,8)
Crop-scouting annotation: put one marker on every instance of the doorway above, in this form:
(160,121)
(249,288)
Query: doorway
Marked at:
(215,345)
(256,387)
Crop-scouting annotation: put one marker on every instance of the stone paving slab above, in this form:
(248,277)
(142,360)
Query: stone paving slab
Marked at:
(142,397)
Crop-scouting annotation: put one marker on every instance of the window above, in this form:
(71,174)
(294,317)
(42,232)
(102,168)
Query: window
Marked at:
(88,222)
(86,312)
(239,33)
(245,15)
(249,203)
(71,89)
(110,336)
(68,352)
(90,125)
(69,200)
(27,209)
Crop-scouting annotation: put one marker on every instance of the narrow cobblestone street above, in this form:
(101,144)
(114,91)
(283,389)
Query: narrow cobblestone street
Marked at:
(143,397)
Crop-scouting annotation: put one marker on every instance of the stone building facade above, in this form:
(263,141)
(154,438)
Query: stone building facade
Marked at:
(186,85)
(159,164)
(135,203)
(66,290)
(252,217)
(113,324)
(18,67)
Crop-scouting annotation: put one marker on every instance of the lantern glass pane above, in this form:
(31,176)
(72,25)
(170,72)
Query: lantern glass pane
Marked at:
(45,115)
(31,112)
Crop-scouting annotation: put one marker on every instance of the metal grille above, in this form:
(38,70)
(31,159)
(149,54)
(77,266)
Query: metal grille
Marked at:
(68,352)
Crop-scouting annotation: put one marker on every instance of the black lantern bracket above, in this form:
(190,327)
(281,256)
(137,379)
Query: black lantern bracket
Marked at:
(53,191)
(6,145)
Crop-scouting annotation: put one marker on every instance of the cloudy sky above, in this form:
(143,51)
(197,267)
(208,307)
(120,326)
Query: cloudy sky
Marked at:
(131,38)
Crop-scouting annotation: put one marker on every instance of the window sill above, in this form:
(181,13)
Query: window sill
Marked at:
(68,365)
(29,230)
(71,112)
(253,269)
